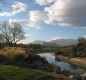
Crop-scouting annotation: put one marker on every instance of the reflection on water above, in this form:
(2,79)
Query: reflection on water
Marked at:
(63,65)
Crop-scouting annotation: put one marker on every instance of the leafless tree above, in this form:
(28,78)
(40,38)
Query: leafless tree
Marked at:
(12,33)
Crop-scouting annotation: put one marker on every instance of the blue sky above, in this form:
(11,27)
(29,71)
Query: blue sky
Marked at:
(47,19)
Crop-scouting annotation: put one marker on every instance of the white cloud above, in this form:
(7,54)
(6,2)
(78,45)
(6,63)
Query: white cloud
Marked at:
(62,12)
(67,13)
(44,2)
(36,16)
(25,22)
(56,38)
(22,22)
(17,7)
(33,24)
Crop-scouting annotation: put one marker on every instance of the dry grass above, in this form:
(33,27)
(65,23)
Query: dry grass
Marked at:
(12,51)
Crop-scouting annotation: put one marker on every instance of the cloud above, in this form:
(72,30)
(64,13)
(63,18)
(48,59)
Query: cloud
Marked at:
(22,22)
(25,22)
(67,13)
(33,24)
(44,2)
(36,16)
(62,12)
(56,38)
(33,21)
(17,7)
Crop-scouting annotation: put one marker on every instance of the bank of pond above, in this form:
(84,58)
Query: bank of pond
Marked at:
(62,64)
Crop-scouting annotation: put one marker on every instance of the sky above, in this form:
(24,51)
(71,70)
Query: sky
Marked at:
(47,19)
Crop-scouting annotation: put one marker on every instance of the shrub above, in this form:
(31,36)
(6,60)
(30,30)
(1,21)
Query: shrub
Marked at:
(11,52)
(33,57)
(19,57)
(59,52)
(3,58)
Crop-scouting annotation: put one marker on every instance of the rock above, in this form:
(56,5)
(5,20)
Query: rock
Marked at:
(36,62)
(57,69)
(35,65)
(71,76)
(46,67)
(77,77)
(66,72)
(83,76)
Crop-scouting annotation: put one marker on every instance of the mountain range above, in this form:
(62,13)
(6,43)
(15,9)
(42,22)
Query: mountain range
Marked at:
(58,42)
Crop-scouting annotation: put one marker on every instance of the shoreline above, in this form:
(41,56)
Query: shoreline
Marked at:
(76,61)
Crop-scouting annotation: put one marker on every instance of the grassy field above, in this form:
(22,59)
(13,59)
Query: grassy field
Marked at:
(17,73)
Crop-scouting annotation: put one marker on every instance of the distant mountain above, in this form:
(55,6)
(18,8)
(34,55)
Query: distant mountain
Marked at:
(44,43)
(58,42)
(64,42)
(38,42)
(49,44)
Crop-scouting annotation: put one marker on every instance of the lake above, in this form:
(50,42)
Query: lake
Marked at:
(63,65)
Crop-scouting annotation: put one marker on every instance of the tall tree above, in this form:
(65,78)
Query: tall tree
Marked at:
(12,33)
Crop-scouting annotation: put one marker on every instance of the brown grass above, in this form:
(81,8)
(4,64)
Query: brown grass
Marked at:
(12,51)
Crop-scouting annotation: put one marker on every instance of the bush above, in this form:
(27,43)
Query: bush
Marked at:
(34,58)
(58,53)
(3,58)
(19,57)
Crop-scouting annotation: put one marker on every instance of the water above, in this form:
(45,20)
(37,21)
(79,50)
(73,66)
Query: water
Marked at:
(63,65)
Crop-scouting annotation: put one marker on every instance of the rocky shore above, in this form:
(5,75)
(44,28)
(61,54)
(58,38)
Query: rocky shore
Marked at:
(77,61)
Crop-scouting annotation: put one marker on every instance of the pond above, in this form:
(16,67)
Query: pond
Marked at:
(63,65)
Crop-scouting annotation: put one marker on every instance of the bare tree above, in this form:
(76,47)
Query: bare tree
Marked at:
(12,33)
(1,38)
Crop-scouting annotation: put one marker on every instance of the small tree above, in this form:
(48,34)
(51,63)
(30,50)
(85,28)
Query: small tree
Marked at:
(81,41)
(80,48)
(12,33)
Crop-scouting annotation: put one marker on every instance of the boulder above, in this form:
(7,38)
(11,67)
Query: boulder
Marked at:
(83,76)
(76,77)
